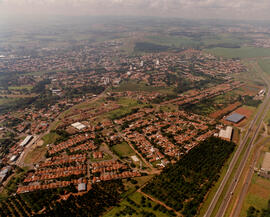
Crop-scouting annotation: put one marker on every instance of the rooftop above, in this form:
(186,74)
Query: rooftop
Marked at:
(235,117)
(266,162)
(82,187)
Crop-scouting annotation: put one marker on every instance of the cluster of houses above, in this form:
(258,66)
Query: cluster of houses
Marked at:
(160,135)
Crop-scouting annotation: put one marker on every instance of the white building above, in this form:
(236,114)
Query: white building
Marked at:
(135,158)
(26,140)
(78,126)
(226,134)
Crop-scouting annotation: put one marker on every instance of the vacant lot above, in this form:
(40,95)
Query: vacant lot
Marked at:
(224,111)
(123,150)
(258,194)
(135,86)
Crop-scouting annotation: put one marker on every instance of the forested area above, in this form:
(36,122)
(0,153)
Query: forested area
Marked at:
(184,184)
(47,203)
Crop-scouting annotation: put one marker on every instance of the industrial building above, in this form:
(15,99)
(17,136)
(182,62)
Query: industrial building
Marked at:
(78,126)
(226,134)
(26,140)
(4,173)
(235,118)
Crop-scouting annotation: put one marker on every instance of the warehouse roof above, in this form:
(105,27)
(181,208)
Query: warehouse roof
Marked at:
(26,140)
(235,117)
(78,126)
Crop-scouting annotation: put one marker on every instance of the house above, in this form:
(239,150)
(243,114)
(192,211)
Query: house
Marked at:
(81,187)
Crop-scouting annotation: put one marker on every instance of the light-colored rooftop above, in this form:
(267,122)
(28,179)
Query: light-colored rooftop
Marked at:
(82,187)
(226,134)
(266,162)
(135,158)
(78,125)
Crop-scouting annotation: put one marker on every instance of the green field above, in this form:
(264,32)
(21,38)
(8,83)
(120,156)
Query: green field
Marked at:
(258,194)
(7,100)
(265,65)
(137,208)
(27,87)
(50,138)
(243,52)
(126,106)
(123,150)
(135,86)
(173,41)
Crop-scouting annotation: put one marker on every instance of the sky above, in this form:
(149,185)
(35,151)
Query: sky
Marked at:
(193,9)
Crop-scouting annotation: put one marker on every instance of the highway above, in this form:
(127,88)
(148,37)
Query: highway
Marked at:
(252,133)
(238,204)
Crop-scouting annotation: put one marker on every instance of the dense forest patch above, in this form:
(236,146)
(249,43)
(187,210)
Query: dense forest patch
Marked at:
(184,184)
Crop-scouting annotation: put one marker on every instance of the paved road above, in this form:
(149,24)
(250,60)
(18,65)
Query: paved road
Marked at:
(253,131)
(263,110)
(238,204)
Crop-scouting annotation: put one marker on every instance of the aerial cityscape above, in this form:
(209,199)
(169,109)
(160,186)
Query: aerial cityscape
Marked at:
(134,115)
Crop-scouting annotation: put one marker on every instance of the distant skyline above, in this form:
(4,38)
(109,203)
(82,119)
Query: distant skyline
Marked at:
(192,9)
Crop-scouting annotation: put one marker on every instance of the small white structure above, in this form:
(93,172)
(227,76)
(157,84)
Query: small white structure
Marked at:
(13,158)
(226,134)
(26,140)
(135,158)
(82,187)
(78,126)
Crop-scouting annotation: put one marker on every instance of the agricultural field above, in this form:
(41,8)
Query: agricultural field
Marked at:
(265,65)
(26,87)
(172,41)
(243,52)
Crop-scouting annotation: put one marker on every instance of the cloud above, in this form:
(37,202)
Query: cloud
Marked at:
(245,9)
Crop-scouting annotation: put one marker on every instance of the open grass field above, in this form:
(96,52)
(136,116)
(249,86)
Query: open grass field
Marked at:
(123,150)
(134,86)
(27,87)
(258,194)
(6,100)
(224,39)
(127,104)
(138,206)
(50,138)
(36,155)
(173,41)
(243,52)
(265,65)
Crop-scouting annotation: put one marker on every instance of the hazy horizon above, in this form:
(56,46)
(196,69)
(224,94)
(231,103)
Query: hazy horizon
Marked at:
(189,9)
